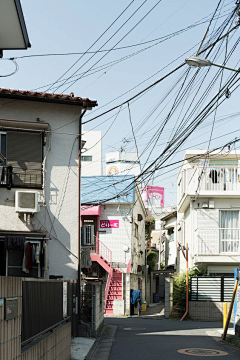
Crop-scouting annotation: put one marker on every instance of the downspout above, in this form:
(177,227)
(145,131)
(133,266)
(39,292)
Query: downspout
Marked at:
(79,207)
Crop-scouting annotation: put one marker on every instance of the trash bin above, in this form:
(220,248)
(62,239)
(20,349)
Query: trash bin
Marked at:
(155,298)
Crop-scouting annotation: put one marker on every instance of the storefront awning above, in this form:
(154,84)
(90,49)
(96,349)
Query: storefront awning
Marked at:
(89,210)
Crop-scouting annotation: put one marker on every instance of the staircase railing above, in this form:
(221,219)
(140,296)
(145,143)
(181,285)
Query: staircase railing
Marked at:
(110,275)
(102,250)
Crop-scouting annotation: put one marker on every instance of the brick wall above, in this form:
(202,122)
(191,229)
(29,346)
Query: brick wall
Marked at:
(207,310)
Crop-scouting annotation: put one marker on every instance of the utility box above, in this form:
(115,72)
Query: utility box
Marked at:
(11,309)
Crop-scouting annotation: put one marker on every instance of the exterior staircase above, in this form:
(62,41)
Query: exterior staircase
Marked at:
(113,291)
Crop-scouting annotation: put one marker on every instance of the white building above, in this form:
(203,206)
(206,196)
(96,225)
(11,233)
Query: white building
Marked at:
(114,233)
(92,153)
(122,163)
(208,210)
(39,182)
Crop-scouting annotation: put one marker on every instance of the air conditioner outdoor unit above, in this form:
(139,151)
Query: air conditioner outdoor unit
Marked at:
(26,202)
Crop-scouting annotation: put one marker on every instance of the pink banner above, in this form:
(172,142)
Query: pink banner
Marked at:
(107,224)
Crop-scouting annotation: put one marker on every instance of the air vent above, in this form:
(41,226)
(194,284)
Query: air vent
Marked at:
(26,201)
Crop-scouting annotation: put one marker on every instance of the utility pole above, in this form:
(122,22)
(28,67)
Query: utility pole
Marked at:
(186,257)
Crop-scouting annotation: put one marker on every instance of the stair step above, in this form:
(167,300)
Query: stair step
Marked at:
(109,311)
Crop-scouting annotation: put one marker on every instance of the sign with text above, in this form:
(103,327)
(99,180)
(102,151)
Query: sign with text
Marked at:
(107,224)
(153,196)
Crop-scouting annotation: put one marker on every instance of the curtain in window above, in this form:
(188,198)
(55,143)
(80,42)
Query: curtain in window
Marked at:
(229,233)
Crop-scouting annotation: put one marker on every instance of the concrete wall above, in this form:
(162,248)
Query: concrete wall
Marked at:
(93,147)
(130,281)
(56,346)
(168,296)
(207,310)
(10,330)
(98,310)
(59,217)
(138,243)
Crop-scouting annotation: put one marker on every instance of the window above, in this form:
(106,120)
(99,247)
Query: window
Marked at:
(88,235)
(86,158)
(22,152)
(136,230)
(229,231)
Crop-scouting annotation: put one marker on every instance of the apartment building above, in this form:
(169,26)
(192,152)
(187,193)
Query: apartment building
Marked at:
(39,183)
(208,210)
(113,237)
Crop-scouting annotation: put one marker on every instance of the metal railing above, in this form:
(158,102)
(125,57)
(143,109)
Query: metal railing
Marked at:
(217,241)
(110,275)
(102,250)
(9,177)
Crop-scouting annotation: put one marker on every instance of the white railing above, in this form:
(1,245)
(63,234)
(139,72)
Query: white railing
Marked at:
(212,179)
(217,241)
(220,178)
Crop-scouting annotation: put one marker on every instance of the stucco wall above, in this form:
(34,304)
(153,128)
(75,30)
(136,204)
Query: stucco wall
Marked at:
(59,216)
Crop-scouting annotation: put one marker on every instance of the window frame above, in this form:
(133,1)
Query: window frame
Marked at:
(85,227)
(24,185)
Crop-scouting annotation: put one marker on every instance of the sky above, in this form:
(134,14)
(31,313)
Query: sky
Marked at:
(59,26)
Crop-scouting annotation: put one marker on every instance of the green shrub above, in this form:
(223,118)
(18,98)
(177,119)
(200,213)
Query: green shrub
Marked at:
(179,289)
(151,260)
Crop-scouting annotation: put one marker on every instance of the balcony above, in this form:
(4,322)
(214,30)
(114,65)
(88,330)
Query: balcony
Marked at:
(219,241)
(9,178)
(207,181)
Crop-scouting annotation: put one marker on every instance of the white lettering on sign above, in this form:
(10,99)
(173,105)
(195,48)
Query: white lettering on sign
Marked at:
(107,224)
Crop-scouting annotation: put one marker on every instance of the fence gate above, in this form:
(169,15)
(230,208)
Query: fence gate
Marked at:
(206,288)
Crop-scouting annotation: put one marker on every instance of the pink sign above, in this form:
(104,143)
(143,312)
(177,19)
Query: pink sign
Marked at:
(153,196)
(107,224)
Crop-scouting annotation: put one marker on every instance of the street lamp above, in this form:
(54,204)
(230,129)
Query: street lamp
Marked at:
(195,61)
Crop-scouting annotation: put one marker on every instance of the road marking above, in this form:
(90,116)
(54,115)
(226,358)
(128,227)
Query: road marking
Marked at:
(202,352)
(134,328)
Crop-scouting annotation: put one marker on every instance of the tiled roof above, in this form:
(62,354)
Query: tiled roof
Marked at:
(47,97)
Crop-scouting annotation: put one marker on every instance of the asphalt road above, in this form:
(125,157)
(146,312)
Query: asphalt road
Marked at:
(143,339)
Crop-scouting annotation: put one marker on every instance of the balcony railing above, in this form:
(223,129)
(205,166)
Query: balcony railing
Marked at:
(9,178)
(212,179)
(217,241)
(220,178)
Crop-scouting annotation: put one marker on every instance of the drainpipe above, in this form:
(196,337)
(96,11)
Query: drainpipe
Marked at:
(79,208)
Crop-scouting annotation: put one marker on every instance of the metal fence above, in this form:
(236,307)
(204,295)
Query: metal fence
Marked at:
(219,288)
(42,306)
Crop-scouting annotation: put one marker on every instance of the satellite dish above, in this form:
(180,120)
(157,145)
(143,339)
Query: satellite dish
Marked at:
(125,248)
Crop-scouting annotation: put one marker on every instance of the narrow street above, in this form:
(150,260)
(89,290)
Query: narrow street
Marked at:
(146,338)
